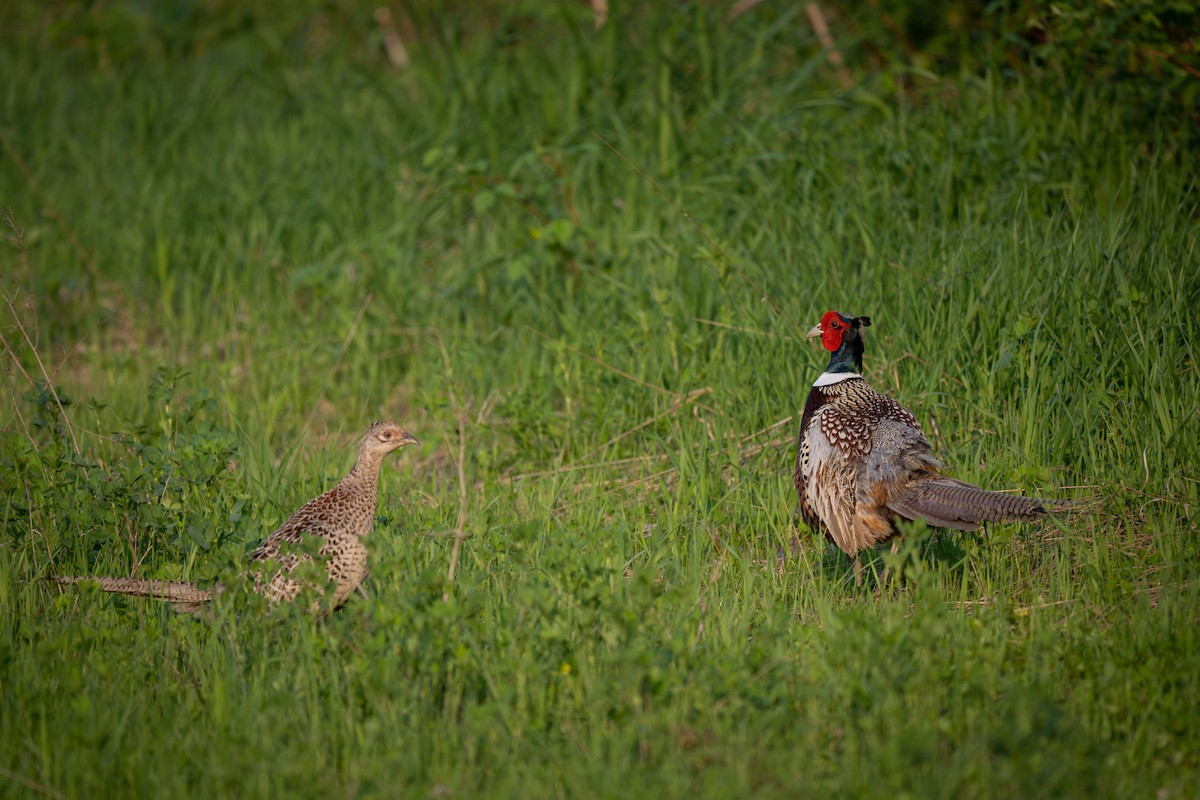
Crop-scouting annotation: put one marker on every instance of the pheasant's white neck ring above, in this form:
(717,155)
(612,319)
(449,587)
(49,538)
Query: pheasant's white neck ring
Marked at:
(830,378)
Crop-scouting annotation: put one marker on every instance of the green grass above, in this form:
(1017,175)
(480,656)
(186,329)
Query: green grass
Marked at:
(243,238)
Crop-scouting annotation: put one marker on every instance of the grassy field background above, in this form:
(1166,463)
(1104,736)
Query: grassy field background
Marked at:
(578,265)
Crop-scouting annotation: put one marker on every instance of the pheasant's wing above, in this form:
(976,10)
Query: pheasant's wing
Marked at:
(897,476)
(901,475)
(282,554)
(274,544)
(312,518)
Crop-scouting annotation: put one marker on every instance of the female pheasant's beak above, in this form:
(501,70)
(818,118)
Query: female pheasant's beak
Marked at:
(408,438)
(815,332)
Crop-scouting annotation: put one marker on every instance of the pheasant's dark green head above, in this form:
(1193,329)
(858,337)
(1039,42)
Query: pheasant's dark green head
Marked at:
(841,335)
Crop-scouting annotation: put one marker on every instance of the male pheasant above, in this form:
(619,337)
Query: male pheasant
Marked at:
(339,519)
(863,462)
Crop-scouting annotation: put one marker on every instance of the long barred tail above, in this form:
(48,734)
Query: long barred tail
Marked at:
(181,592)
(948,503)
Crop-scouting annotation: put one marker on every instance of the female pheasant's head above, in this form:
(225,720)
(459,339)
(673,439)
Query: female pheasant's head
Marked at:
(841,335)
(384,437)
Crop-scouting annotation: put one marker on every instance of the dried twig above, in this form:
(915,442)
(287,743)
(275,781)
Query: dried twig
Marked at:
(21,417)
(32,785)
(593,465)
(675,406)
(17,363)
(392,43)
(88,262)
(771,427)
(600,12)
(739,8)
(744,453)
(607,366)
(460,528)
(1183,65)
(19,243)
(816,18)
(729,327)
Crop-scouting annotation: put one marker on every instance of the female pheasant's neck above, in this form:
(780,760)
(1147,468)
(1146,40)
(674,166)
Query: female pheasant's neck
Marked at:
(366,468)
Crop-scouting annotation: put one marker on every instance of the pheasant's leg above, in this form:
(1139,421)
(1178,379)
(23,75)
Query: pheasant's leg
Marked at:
(887,571)
(857,570)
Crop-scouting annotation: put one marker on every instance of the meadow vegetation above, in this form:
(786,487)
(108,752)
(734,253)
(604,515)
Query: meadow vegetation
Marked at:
(578,264)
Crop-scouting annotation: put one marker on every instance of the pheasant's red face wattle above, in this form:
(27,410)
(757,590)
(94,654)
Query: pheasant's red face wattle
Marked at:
(832,329)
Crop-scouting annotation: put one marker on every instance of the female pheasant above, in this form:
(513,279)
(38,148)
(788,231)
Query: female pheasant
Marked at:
(863,462)
(338,519)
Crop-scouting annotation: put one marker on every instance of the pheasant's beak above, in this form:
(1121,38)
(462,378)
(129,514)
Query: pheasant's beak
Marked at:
(815,332)
(409,439)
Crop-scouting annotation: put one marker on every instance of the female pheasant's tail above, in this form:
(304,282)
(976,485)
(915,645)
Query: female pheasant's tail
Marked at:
(947,503)
(185,596)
